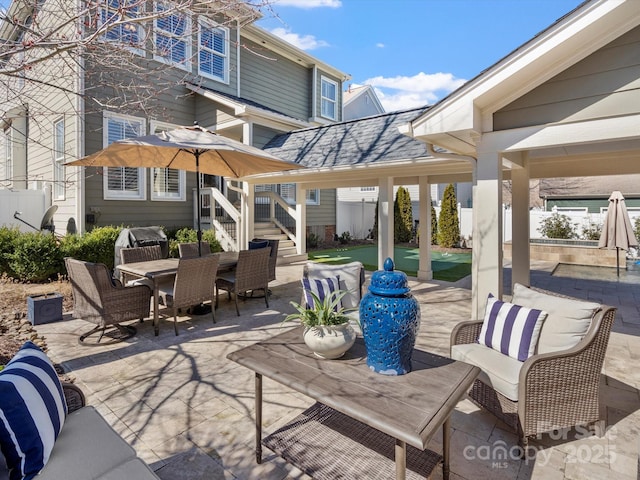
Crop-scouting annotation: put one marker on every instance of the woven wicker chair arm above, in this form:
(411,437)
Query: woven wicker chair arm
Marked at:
(74,397)
(466,332)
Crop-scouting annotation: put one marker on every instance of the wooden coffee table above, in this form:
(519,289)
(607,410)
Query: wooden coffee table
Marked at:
(363,421)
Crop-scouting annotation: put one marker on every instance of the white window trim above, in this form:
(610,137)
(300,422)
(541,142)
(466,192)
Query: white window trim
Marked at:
(154,127)
(59,187)
(324,79)
(120,42)
(186,65)
(142,184)
(208,24)
(310,201)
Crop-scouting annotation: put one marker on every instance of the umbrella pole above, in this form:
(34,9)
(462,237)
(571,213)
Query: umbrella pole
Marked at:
(197,155)
(618,260)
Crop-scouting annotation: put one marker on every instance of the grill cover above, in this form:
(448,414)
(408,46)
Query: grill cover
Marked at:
(140,237)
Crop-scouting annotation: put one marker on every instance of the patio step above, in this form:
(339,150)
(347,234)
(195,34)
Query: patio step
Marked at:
(286,248)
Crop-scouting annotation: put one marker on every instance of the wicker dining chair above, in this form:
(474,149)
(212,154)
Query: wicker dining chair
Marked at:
(555,389)
(100,299)
(251,273)
(190,249)
(139,254)
(273,244)
(194,284)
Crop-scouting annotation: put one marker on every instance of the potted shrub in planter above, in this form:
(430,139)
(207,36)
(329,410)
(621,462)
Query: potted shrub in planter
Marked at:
(326,326)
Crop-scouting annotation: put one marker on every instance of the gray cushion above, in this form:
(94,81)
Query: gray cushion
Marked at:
(567,321)
(134,469)
(498,370)
(87,448)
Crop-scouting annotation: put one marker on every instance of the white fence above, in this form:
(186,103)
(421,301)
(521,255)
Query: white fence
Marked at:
(357,218)
(30,203)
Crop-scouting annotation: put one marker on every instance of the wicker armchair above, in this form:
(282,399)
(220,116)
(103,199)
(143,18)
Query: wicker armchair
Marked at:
(139,254)
(104,301)
(251,273)
(190,249)
(556,389)
(194,283)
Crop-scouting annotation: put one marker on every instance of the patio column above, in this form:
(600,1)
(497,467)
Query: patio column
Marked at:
(247,214)
(385,220)
(486,267)
(520,219)
(424,229)
(301,219)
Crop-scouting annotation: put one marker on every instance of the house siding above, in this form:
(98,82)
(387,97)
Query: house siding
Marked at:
(274,81)
(602,85)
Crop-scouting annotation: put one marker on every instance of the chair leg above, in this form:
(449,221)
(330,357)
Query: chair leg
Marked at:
(266,296)
(175,321)
(213,310)
(237,309)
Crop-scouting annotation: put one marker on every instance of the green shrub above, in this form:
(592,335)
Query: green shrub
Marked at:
(402,216)
(448,224)
(97,246)
(558,226)
(345,238)
(374,230)
(592,231)
(636,228)
(8,241)
(36,257)
(434,226)
(189,235)
(313,240)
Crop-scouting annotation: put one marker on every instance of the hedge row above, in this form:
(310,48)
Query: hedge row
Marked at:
(37,257)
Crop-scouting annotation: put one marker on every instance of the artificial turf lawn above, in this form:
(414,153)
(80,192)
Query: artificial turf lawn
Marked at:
(449,267)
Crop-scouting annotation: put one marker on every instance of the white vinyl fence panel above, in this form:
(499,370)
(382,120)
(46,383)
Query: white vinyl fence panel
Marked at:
(30,203)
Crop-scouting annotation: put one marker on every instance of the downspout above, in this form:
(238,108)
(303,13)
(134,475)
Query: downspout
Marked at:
(238,58)
(80,142)
(314,91)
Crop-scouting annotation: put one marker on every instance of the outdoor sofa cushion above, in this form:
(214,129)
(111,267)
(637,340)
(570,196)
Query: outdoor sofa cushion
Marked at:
(89,448)
(567,319)
(349,279)
(320,287)
(498,370)
(32,411)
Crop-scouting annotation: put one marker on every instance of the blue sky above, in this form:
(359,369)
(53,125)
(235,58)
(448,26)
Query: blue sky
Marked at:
(413,52)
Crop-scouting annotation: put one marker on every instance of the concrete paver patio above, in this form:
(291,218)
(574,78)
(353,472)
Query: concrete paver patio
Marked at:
(188,411)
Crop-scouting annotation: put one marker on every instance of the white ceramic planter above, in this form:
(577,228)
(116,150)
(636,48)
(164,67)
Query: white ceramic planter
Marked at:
(331,341)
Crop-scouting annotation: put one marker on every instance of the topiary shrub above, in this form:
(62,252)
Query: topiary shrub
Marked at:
(448,224)
(8,240)
(402,216)
(434,226)
(558,226)
(96,246)
(373,233)
(36,257)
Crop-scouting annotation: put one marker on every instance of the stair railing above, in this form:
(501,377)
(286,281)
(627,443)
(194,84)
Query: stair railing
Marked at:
(222,216)
(281,213)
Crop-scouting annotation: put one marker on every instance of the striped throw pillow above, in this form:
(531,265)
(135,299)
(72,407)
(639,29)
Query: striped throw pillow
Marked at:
(322,287)
(32,411)
(511,329)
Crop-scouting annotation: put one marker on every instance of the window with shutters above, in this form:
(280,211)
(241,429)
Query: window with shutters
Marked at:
(123,183)
(167,184)
(113,15)
(58,160)
(172,38)
(213,59)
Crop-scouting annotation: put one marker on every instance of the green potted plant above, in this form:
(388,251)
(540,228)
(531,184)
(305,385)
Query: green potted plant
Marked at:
(326,325)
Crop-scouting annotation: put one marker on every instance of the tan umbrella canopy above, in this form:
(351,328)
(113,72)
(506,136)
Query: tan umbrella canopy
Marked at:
(617,231)
(193,149)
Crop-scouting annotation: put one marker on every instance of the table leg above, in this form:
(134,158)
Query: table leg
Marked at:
(401,460)
(258,418)
(156,306)
(446,437)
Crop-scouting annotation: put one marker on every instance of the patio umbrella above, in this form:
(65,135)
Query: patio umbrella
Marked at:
(617,231)
(193,149)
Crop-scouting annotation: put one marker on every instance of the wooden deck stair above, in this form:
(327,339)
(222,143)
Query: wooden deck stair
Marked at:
(286,248)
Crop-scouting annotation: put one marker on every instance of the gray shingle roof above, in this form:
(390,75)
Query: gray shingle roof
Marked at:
(356,142)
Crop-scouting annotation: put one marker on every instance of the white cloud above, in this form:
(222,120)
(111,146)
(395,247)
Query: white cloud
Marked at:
(308,4)
(401,92)
(380,45)
(303,42)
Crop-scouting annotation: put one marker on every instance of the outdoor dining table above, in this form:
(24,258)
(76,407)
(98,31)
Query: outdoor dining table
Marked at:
(159,270)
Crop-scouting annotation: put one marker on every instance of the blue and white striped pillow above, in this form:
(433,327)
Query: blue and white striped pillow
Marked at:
(32,411)
(511,329)
(322,287)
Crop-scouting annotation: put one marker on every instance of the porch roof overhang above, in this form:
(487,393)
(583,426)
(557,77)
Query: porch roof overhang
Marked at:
(457,121)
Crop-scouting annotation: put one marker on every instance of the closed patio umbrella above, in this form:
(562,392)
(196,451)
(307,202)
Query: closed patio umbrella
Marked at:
(617,231)
(193,149)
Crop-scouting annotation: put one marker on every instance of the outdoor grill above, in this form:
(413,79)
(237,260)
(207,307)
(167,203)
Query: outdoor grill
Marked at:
(140,237)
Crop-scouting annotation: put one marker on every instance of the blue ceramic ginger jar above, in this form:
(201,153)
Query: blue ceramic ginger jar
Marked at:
(389,318)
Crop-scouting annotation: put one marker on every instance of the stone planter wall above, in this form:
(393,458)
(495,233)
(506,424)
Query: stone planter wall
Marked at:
(578,254)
